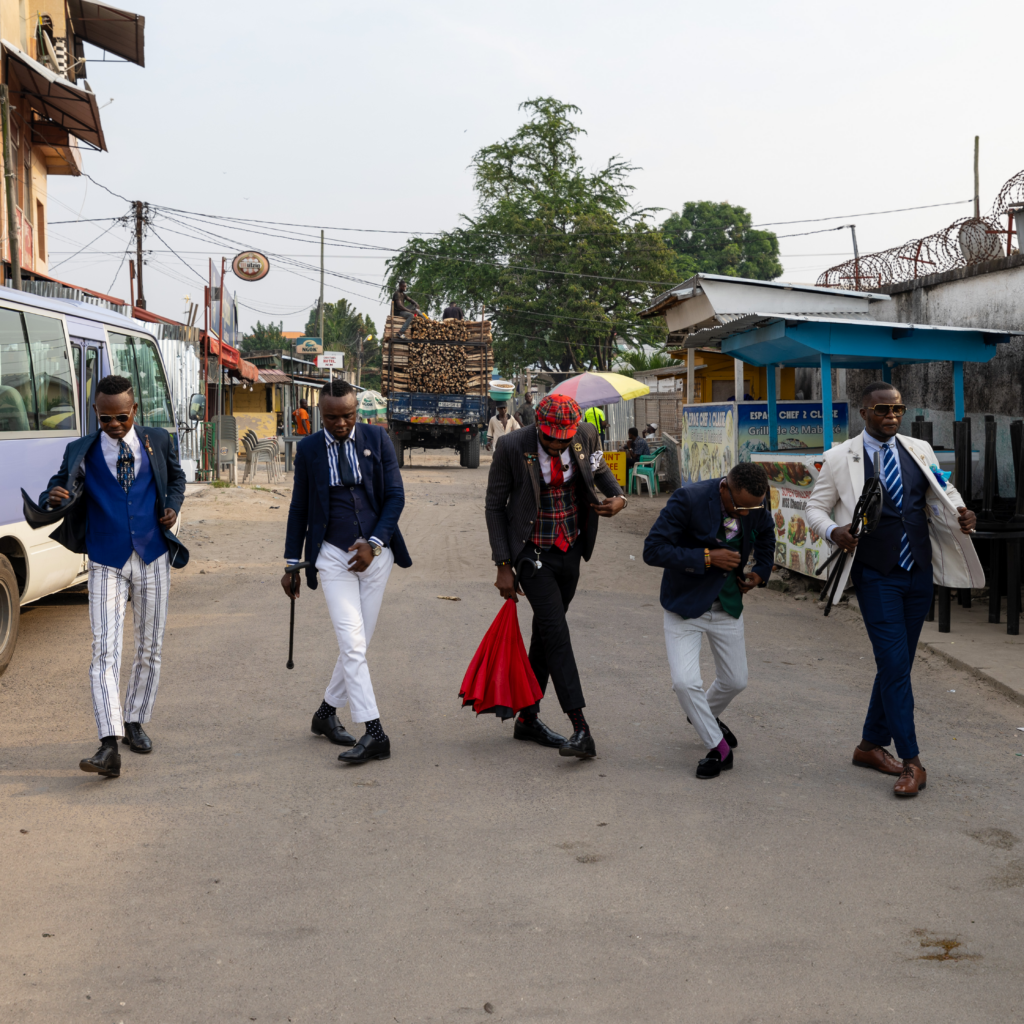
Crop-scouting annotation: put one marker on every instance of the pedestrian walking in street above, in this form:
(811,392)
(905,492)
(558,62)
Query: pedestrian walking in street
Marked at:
(347,497)
(526,414)
(922,538)
(132,488)
(500,425)
(703,540)
(542,513)
(300,417)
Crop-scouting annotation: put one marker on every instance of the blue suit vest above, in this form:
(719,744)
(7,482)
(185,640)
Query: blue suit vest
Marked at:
(119,523)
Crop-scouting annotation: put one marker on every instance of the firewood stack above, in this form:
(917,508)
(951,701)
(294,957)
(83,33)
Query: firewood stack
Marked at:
(424,329)
(437,369)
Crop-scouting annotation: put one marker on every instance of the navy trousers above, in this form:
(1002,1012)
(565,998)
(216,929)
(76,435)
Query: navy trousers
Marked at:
(894,609)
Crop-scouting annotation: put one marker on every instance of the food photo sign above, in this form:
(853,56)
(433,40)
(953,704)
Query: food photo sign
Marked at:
(791,479)
(707,442)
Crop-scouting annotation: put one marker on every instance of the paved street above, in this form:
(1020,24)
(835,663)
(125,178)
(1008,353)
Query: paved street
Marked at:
(240,874)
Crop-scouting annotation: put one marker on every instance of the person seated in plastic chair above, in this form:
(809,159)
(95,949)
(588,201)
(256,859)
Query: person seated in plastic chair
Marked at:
(636,448)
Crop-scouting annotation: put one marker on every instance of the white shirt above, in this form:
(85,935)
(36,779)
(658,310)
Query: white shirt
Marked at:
(496,430)
(348,449)
(873,446)
(110,449)
(545,464)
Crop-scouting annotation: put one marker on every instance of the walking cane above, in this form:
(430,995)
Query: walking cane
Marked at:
(292,570)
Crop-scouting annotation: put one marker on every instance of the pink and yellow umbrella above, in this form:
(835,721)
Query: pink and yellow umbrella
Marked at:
(600,389)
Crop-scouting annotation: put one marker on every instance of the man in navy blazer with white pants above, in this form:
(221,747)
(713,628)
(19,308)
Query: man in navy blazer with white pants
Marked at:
(703,539)
(347,496)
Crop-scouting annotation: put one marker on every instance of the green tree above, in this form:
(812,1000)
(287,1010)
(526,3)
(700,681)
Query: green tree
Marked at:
(263,338)
(343,328)
(555,256)
(716,238)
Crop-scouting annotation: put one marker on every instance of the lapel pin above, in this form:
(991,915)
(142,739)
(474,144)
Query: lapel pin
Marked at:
(366,452)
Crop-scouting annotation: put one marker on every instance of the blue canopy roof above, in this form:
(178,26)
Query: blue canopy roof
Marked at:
(772,340)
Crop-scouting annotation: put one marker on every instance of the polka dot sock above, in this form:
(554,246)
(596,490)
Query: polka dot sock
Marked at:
(324,711)
(375,729)
(578,721)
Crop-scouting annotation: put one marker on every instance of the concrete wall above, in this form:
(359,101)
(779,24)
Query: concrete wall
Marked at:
(990,296)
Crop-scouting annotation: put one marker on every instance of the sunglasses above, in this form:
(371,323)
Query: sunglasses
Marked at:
(742,508)
(884,410)
(123,417)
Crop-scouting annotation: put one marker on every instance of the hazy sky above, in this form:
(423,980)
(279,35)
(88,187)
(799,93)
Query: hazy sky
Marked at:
(350,115)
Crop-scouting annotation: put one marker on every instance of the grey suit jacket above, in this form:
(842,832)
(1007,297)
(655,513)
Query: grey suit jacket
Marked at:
(513,490)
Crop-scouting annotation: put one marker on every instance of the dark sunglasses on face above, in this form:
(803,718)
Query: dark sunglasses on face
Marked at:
(742,508)
(884,410)
(123,417)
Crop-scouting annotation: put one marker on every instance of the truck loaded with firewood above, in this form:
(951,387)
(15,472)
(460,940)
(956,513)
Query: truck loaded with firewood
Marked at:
(436,379)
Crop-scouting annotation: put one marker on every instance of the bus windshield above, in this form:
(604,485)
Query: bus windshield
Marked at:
(138,359)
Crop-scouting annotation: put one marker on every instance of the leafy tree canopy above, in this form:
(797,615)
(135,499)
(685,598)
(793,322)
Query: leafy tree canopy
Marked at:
(343,328)
(716,238)
(264,338)
(556,256)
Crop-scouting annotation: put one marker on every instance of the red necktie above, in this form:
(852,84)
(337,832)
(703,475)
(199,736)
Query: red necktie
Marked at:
(557,480)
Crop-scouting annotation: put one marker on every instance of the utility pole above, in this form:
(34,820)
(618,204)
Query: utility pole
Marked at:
(977,189)
(856,257)
(12,220)
(322,288)
(139,222)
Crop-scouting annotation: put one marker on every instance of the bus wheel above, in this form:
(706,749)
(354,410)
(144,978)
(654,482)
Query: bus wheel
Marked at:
(10,612)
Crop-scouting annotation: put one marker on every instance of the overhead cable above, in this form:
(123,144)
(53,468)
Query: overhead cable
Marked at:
(842,216)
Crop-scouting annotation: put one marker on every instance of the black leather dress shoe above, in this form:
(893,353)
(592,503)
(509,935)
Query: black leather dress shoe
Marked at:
(534,729)
(712,765)
(367,749)
(136,739)
(580,744)
(106,761)
(333,730)
(727,733)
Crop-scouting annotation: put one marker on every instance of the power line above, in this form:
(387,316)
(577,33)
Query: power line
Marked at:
(105,189)
(874,213)
(290,224)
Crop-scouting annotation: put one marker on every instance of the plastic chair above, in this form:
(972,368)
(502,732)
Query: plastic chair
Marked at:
(257,451)
(645,471)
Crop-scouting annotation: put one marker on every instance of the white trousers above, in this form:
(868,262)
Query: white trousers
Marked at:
(109,589)
(682,642)
(353,602)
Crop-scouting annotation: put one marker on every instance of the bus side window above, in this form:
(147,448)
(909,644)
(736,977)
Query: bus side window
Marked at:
(92,376)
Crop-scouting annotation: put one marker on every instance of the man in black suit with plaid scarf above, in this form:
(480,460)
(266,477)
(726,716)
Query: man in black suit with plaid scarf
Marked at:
(542,514)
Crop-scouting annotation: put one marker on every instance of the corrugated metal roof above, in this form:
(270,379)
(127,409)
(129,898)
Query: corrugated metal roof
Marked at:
(269,376)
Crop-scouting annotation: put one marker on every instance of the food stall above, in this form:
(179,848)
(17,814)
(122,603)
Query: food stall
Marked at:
(787,437)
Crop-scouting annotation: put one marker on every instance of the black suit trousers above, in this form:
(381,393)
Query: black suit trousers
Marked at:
(550,589)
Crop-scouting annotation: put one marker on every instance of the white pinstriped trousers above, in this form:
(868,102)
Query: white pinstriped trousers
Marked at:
(108,597)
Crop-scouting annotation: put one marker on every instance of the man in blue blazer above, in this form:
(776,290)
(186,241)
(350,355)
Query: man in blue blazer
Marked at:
(128,491)
(347,496)
(703,539)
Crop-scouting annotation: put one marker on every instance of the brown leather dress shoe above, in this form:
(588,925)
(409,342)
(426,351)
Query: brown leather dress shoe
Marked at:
(879,759)
(911,780)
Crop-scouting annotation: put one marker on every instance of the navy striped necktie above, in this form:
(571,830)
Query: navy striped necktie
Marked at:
(125,466)
(894,488)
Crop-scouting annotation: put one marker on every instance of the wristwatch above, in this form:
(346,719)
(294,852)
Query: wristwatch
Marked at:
(376,549)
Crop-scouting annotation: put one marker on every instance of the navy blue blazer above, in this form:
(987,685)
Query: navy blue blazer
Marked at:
(311,497)
(167,475)
(688,524)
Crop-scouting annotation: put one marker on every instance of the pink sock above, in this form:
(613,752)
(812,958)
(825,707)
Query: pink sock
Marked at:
(723,748)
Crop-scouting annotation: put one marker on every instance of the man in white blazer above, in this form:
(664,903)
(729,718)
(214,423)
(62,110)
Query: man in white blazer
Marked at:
(922,537)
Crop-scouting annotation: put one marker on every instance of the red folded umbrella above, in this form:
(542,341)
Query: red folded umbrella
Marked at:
(499,679)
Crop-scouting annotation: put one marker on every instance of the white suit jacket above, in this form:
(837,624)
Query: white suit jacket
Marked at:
(955,563)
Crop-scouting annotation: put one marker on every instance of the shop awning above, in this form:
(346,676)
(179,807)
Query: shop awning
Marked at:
(55,98)
(228,357)
(249,371)
(109,28)
(269,376)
